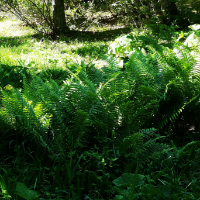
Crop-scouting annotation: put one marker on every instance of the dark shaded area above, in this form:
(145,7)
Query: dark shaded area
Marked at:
(14,41)
(83,36)
(92,51)
(56,74)
(13,75)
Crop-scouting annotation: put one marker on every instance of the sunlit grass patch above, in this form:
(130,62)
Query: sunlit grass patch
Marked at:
(20,45)
(11,26)
(45,54)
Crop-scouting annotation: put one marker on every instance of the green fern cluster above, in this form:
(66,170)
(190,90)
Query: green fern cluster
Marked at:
(93,106)
(79,110)
(154,89)
(143,145)
(161,77)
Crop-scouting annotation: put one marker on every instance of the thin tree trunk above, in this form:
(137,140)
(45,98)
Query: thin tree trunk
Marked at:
(59,22)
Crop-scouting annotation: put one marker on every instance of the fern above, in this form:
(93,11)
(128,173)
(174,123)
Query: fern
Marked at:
(159,74)
(19,109)
(142,145)
(154,90)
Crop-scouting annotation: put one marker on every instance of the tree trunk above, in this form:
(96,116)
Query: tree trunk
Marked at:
(170,11)
(59,22)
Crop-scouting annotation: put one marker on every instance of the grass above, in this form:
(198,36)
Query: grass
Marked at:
(19,42)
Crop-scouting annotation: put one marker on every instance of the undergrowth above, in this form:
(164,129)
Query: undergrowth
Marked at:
(73,130)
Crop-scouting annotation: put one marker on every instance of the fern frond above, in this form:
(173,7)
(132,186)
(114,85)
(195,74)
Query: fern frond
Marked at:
(18,107)
(134,141)
(142,144)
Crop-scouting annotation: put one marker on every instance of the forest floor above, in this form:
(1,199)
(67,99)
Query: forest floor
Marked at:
(20,43)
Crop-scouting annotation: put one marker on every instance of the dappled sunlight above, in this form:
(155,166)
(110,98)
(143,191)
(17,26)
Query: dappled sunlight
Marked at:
(100,111)
(44,53)
(14,27)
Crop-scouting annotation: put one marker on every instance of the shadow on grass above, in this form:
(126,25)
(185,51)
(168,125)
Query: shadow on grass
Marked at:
(85,36)
(14,41)
(72,36)
(92,51)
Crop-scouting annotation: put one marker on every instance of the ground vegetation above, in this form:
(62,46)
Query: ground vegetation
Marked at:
(107,110)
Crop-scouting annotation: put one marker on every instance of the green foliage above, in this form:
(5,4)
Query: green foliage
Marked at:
(35,14)
(13,75)
(38,15)
(176,164)
(53,73)
(24,192)
(143,150)
(3,188)
(128,180)
(162,75)
(82,131)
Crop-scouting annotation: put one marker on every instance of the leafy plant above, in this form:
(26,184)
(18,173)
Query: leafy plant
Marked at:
(128,180)
(3,188)
(24,192)
(75,131)
(13,75)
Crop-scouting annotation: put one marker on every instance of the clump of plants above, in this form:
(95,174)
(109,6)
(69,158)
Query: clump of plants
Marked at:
(103,133)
